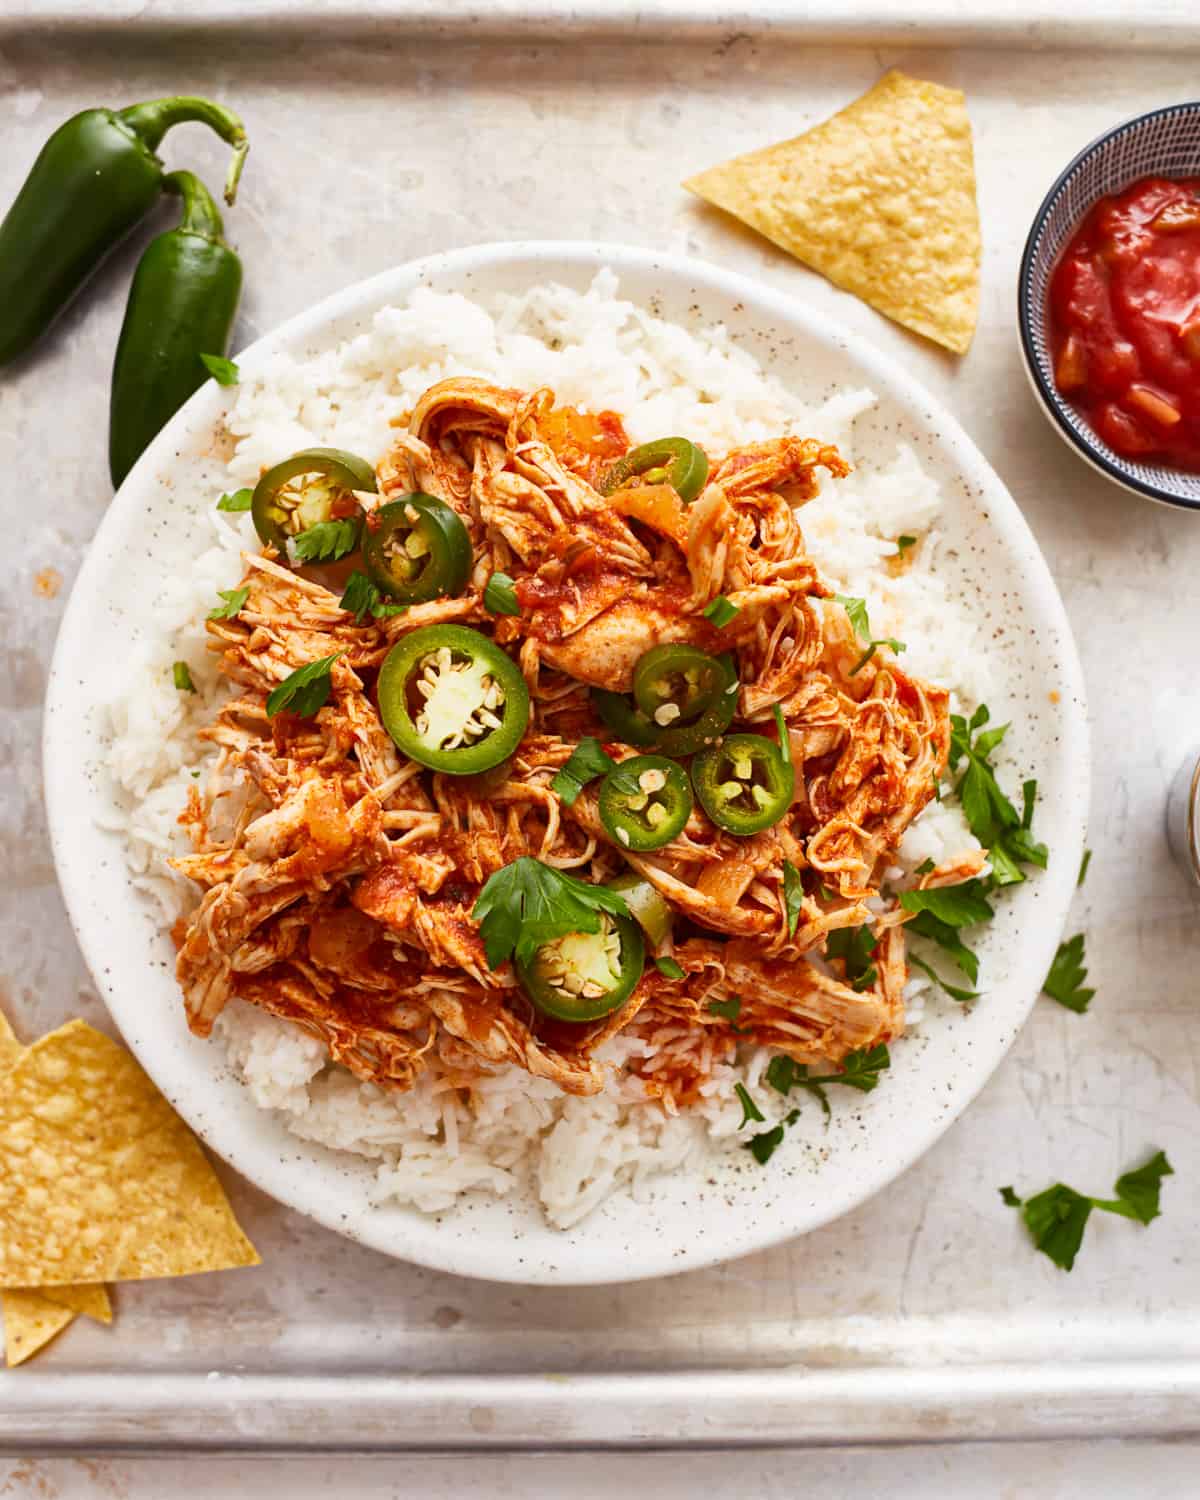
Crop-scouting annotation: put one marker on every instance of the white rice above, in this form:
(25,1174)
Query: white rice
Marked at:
(595,351)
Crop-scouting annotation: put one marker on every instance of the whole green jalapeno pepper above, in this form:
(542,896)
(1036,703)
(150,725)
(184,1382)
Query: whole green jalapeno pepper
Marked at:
(95,179)
(182,304)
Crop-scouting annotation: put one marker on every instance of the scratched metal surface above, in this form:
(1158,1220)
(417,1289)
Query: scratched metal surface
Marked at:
(922,1315)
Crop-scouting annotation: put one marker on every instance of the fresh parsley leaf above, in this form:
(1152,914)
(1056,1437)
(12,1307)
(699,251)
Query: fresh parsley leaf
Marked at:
(527,904)
(239,500)
(720,612)
(903,543)
(729,1010)
(784,1073)
(1064,982)
(305,691)
(1057,1217)
(1083,866)
(860,1070)
(954,991)
(500,596)
(669,968)
(589,759)
(854,946)
(857,611)
(793,896)
(926,867)
(1138,1191)
(995,822)
(926,925)
(361,598)
(764,1145)
(872,647)
(182,675)
(750,1110)
(956,905)
(234,600)
(327,541)
(222,370)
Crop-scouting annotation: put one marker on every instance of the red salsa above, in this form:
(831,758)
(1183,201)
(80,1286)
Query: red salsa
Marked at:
(1125,321)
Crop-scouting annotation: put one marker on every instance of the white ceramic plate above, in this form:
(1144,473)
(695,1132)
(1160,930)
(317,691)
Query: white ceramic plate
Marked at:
(691,1219)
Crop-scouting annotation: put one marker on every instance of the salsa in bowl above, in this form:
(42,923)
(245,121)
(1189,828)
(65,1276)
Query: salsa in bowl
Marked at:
(1109,304)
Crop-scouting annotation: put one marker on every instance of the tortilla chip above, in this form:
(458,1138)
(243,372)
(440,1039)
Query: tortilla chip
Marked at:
(92,1301)
(30,1322)
(880,199)
(106,1181)
(10,1048)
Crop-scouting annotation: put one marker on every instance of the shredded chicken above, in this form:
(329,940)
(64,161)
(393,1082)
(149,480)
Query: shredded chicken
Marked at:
(340,896)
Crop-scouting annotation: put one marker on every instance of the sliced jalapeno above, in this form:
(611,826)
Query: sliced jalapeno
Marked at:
(674,684)
(282,508)
(744,784)
(585,975)
(644,802)
(452,700)
(633,727)
(417,548)
(647,906)
(673,460)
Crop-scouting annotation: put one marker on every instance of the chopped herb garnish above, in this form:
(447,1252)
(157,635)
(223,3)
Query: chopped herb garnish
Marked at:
(182,674)
(956,992)
(956,905)
(361,598)
(305,691)
(222,370)
(857,611)
(239,500)
(1006,834)
(720,612)
(750,1110)
(926,867)
(234,600)
(327,541)
(860,1070)
(926,925)
(785,745)
(793,896)
(872,647)
(854,946)
(1057,1217)
(1065,981)
(500,596)
(669,968)
(528,904)
(589,759)
(729,1010)
(903,543)
(764,1145)
(1083,866)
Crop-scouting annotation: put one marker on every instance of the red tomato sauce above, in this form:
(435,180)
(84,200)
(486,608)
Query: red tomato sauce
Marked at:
(1125,321)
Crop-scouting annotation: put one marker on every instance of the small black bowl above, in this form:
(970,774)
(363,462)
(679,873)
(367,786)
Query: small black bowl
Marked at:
(1163,143)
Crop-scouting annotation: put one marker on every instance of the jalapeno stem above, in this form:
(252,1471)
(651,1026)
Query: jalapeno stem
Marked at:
(199,215)
(151,121)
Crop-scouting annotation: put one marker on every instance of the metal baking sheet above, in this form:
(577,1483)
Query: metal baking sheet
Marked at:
(924,1315)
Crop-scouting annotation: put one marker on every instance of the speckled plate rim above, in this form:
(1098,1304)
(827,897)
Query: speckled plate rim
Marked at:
(814,1178)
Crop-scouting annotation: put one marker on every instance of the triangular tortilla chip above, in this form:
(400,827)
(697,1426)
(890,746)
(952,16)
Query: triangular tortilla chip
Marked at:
(103,1181)
(880,199)
(30,1322)
(10,1048)
(90,1300)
